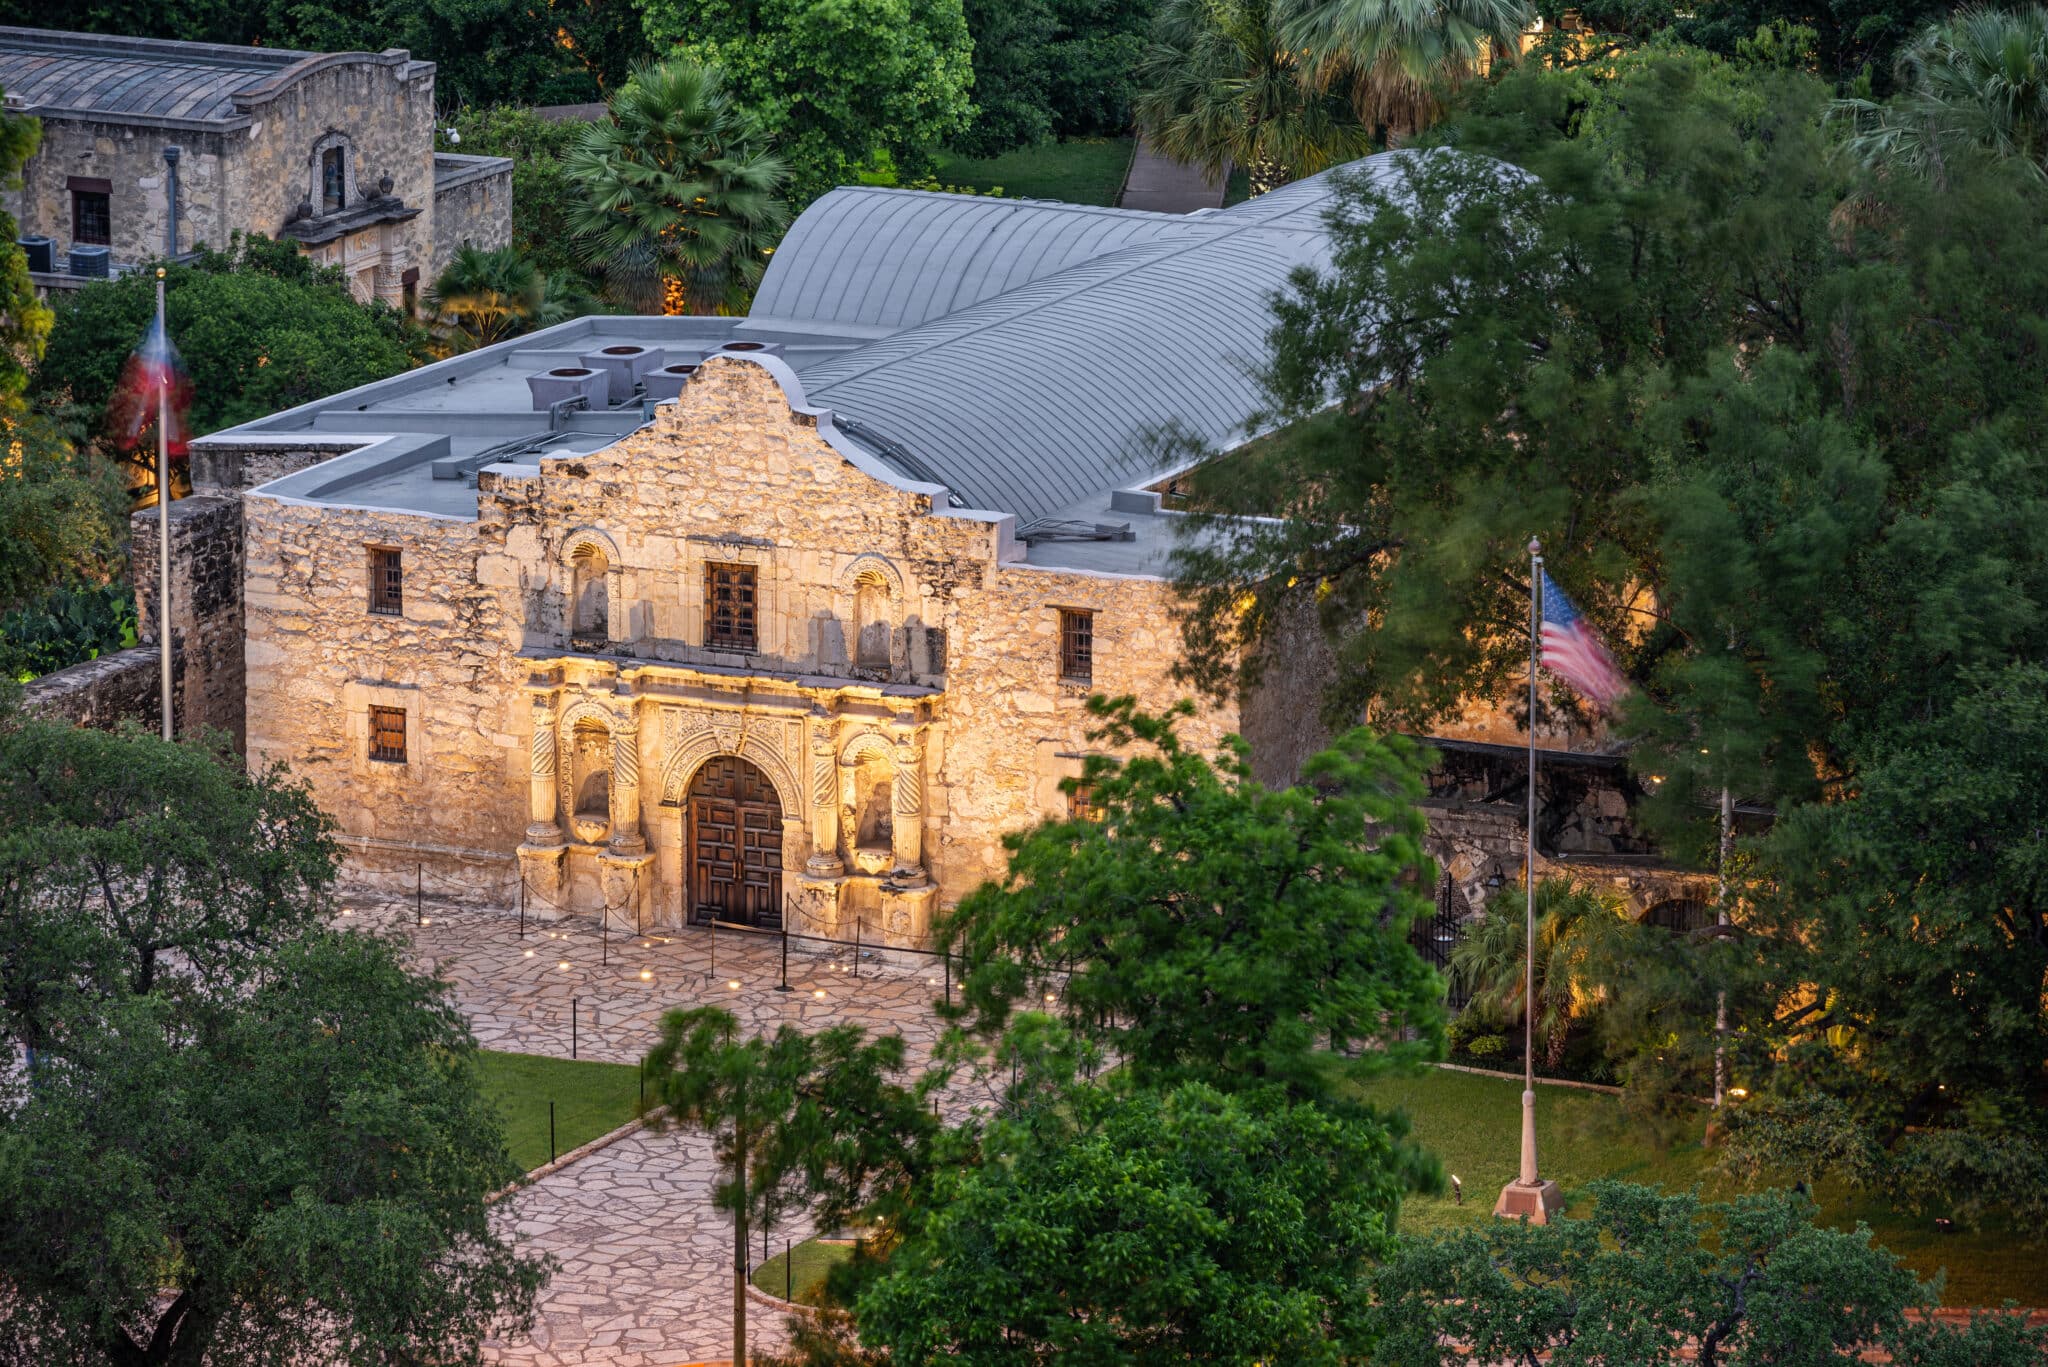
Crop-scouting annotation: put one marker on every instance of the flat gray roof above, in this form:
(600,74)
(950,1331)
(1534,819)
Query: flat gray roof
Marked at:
(1025,356)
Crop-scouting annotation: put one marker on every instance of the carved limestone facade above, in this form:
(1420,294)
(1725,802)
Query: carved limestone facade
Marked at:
(715,670)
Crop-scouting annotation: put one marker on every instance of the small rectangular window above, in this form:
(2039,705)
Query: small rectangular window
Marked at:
(1077,646)
(92,218)
(1081,805)
(387,582)
(333,181)
(387,734)
(730,607)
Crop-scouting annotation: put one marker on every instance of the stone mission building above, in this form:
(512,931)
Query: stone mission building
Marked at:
(777,620)
(332,150)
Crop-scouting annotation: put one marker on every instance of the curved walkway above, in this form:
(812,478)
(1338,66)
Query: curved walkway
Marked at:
(1166,187)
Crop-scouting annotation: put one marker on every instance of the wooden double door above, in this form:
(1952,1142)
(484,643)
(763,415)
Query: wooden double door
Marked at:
(733,842)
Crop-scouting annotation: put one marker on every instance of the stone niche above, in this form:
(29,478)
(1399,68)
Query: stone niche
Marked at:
(590,781)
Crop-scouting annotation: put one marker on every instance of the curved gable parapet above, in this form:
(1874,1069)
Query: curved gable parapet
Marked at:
(880,260)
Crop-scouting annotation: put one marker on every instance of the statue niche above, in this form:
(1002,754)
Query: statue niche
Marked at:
(588,593)
(871,624)
(590,788)
(869,820)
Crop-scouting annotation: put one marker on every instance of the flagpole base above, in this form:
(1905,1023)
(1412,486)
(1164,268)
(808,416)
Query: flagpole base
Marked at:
(1538,1203)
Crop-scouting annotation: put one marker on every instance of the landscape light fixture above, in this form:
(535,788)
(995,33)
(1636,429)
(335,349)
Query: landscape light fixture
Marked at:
(734,984)
(563,965)
(529,954)
(646,975)
(818,993)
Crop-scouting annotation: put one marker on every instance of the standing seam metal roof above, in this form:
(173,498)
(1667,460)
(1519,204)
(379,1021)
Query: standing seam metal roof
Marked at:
(1052,391)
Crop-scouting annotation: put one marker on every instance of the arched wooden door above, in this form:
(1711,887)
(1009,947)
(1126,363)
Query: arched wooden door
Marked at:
(734,845)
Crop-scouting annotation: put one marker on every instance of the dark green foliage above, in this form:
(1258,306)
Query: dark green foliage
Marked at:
(1208,928)
(64,626)
(1655,1279)
(542,194)
(484,51)
(277,1124)
(260,328)
(835,83)
(1052,68)
(1188,1226)
(63,519)
(1011,87)
(24,321)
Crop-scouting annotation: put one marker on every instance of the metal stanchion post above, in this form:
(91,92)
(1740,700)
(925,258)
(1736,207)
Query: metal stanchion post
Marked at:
(947,955)
(419,894)
(714,945)
(604,938)
(522,906)
(856,946)
(551,1132)
(788,1274)
(783,986)
(574,1003)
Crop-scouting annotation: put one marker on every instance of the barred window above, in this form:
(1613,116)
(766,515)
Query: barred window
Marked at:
(730,606)
(92,218)
(1077,646)
(387,734)
(1081,803)
(387,582)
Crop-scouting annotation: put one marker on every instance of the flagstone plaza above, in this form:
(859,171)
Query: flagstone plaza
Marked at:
(645,1277)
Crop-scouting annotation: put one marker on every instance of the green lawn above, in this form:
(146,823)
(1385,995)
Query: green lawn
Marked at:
(1082,172)
(1473,1124)
(590,1099)
(811,1259)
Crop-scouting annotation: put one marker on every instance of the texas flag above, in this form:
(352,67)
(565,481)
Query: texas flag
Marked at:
(152,383)
(1573,653)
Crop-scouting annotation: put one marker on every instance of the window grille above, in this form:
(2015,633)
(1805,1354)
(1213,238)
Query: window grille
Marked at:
(92,218)
(1077,646)
(731,607)
(387,734)
(387,582)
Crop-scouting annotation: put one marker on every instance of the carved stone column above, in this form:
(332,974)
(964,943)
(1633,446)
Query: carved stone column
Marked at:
(625,804)
(824,861)
(544,801)
(907,812)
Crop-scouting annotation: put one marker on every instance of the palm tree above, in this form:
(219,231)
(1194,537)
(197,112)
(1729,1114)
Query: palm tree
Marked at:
(1975,83)
(1218,88)
(1392,57)
(1572,919)
(487,296)
(675,187)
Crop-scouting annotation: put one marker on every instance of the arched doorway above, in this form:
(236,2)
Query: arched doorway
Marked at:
(733,845)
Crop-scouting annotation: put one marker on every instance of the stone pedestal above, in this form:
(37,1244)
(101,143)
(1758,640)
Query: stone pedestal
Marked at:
(627,882)
(543,867)
(1538,1204)
(814,906)
(907,910)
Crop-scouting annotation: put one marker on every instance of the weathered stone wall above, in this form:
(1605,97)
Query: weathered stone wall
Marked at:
(965,721)
(472,206)
(131,159)
(230,465)
(126,686)
(206,607)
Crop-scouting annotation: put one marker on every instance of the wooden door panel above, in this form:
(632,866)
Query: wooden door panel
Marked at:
(735,845)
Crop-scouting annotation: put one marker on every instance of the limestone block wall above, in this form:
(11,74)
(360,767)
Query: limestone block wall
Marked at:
(131,159)
(125,686)
(385,108)
(206,606)
(472,205)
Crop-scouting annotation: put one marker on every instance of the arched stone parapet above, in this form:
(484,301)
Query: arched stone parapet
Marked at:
(687,747)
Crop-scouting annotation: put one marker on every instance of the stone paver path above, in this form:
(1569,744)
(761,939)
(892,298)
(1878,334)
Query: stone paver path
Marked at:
(1167,187)
(645,1278)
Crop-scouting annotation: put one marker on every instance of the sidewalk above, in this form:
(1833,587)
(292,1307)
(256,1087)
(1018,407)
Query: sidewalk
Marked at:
(1166,187)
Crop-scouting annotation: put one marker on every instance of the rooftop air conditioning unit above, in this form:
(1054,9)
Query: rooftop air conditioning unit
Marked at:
(94,263)
(40,251)
(550,387)
(750,349)
(667,382)
(626,363)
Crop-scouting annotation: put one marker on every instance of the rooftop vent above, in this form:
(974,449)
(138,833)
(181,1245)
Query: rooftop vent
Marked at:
(626,363)
(751,349)
(568,382)
(668,381)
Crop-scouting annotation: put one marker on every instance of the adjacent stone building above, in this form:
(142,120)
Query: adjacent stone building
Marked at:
(333,150)
(785,619)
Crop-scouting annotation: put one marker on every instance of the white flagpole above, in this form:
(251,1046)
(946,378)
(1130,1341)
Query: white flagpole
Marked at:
(1529,1197)
(163,516)
(1529,1177)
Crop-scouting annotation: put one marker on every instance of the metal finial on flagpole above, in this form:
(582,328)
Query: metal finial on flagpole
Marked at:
(1529,1197)
(163,517)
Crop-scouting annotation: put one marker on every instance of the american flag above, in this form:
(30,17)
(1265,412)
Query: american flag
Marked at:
(1573,653)
(152,372)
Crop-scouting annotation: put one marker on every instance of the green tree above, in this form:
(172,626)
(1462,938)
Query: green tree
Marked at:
(1208,928)
(794,1120)
(1012,86)
(1188,1226)
(260,328)
(1573,923)
(1973,84)
(542,193)
(488,296)
(1092,63)
(1658,1279)
(835,83)
(128,867)
(677,187)
(24,322)
(1393,58)
(1219,88)
(295,1173)
(62,512)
